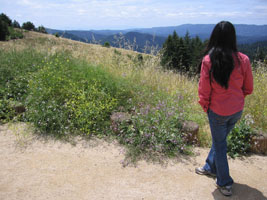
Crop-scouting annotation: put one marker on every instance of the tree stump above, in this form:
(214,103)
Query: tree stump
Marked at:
(19,109)
(117,118)
(190,130)
(259,143)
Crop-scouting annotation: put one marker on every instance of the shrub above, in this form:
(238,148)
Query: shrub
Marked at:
(15,33)
(15,71)
(56,34)
(239,140)
(140,58)
(68,95)
(15,68)
(153,129)
(6,111)
(117,52)
(106,44)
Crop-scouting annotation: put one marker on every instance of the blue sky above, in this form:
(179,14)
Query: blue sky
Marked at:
(123,14)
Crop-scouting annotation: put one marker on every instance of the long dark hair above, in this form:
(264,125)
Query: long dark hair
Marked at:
(221,48)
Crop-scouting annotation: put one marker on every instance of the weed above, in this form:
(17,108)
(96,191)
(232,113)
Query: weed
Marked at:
(239,140)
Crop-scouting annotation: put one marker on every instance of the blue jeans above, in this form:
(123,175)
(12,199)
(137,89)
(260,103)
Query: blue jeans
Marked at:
(216,161)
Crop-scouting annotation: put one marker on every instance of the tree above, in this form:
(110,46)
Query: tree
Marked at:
(3,30)
(41,29)
(15,24)
(187,53)
(182,54)
(167,52)
(28,26)
(260,54)
(175,47)
(6,19)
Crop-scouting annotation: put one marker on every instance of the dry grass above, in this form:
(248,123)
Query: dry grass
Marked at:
(256,104)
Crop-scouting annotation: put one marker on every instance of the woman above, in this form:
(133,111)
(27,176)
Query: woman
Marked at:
(225,80)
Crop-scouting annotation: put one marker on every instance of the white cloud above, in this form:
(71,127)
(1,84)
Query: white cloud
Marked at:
(31,4)
(81,12)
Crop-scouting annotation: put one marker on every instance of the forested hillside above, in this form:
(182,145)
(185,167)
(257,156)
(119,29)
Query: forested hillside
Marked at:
(251,38)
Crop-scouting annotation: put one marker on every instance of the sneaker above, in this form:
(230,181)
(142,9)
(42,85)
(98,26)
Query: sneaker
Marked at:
(202,171)
(225,190)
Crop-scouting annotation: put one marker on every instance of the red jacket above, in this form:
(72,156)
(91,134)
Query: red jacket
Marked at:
(225,101)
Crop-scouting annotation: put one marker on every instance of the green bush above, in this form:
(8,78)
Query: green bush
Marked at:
(15,70)
(56,34)
(153,129)
(239,140)
(15,33)
(6,111)
(68,95)
(106,44)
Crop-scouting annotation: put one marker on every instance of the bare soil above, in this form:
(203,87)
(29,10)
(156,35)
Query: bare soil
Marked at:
(36,168)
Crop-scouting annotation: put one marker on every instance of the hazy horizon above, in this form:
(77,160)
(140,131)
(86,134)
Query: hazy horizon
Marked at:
(134,28)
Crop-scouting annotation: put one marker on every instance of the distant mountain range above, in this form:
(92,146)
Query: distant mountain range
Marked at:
(140,39)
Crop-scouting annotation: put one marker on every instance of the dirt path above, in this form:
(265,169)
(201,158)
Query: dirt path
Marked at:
(31,168)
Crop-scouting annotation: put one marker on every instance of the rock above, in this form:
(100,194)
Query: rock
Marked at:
(190,129)
(117,118)
(120,117)
(259,143)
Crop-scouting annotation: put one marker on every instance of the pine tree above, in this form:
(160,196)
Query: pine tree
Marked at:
(15,24)
(182,54)
(175,51)
(187,52)
(3,30)
(168,50)
(6,19)
(41,29)
(197,53)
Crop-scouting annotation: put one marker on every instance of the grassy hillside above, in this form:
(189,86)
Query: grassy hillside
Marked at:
(71,87)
